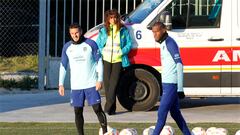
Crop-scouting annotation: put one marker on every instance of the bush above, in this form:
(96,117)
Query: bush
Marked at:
(18,63)
(26,83)
(8,84)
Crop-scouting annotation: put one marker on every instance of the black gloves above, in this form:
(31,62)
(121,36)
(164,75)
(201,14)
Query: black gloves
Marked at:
(181,95)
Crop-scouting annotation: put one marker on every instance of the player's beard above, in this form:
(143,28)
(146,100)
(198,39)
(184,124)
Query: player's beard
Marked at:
(164,36)
(80,40)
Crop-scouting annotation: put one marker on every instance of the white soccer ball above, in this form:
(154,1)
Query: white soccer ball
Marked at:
(238,132)
(110,131)
(198,131)
(211,131)
(148,131)
(167,130)
(128,131)
(221,131)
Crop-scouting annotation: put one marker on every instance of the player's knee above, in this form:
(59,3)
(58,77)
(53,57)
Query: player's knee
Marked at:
(164,107)
(97,108)
(78,110)
(175,113)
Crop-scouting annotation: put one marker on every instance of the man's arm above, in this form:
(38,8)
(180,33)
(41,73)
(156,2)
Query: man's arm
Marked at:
(180,91)
(61,90)
(174,51)
(62,74)
(98,59)
(99,70)
(63,69)
(180,77)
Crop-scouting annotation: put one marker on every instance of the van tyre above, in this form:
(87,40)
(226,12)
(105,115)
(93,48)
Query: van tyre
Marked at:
(138,90)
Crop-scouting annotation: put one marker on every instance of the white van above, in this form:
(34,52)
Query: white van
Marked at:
(208,34)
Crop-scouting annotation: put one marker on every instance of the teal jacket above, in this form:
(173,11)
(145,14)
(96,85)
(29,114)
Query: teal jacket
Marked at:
(125,43)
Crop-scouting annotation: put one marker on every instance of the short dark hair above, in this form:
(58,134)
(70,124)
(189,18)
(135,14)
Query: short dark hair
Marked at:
(75,25)
(160,24)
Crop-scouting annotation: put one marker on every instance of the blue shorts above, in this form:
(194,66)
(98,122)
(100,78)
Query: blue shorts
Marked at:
(91,94)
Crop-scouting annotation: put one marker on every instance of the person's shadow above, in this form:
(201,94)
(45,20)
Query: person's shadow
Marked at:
(201,102)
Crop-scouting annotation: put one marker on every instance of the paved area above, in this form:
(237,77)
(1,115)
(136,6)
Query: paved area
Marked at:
(48,106)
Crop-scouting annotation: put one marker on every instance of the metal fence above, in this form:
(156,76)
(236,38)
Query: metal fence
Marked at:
(19,22)
(40,27)
(19,27)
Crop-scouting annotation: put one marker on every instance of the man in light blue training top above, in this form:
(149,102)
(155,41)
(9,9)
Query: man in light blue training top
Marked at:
(172,80)
(86,71)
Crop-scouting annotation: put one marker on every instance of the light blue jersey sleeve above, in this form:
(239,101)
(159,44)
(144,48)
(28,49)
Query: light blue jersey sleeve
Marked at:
(174,51)
(63,64)
(180,77)
(99,69)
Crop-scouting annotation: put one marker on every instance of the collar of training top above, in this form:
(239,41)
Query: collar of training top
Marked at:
(82,39)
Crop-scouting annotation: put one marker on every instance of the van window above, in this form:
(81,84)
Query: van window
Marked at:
(179,10)
(204,13)
(194,13)
(142,11)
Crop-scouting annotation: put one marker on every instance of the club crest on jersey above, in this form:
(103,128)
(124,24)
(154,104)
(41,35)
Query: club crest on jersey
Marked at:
(176,56)
(84,49)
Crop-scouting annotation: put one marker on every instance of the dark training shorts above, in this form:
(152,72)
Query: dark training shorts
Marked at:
(78,97)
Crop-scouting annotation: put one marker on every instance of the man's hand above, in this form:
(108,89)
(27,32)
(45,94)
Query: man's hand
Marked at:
(98,85)
(181,94)
(61,90)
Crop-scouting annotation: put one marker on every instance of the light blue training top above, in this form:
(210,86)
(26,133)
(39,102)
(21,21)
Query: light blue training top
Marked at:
(85,64)
(172,67)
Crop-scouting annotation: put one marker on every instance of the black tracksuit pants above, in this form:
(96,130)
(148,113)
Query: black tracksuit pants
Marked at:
(110,78)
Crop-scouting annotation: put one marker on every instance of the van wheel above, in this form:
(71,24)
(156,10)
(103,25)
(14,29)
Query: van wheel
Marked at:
(138,90)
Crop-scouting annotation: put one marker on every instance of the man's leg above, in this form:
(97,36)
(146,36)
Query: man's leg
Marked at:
(94,99)
(115,74)
(77,101)
(79,120)
(177,116)
(166,102)
(101,116)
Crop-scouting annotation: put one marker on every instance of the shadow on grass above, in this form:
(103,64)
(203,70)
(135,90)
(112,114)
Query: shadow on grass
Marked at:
(203,102)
